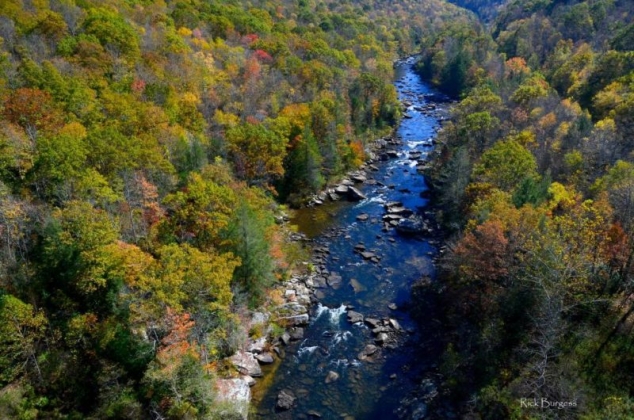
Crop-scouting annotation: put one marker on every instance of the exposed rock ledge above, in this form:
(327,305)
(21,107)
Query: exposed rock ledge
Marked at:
(233,396)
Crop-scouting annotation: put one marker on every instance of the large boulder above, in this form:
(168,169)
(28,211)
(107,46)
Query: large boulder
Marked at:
(334,280)
(246,363)
(354,317)
(412,226)
(355,195)
(265,358)
(367,352)
(234,396)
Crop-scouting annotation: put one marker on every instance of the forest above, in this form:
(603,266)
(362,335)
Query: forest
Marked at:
(147,149)
(535,183)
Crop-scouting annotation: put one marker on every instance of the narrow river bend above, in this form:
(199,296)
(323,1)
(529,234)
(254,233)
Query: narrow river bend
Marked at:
(373,387)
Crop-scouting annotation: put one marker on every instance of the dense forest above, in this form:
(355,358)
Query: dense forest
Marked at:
(145,149)
(535,179)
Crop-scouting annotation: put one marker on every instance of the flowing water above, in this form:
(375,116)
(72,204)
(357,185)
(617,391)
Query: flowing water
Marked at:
(365,389)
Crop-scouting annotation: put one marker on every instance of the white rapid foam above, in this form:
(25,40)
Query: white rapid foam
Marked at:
(306,351)
(334,314)
(340,336)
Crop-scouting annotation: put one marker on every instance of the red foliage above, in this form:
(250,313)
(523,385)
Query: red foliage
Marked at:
(33,110)
(138,85)
(250,39)
(263,56)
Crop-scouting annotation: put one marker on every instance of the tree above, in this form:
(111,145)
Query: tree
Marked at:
(22,330)
(198,213)
(33,110)
(257,153)
(505,165)
(248,241)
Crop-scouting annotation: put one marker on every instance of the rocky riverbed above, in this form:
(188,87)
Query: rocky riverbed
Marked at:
(350,350)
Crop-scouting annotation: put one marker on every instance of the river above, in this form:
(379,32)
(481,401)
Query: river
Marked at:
(372,388)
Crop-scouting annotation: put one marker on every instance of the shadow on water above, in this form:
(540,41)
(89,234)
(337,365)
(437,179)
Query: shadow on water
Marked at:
(373,388)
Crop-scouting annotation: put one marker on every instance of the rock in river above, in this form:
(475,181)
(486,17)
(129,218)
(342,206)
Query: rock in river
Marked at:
(285,400)
(412,226)
(355,195)
(331,377)
(381,338)
(354,317)
(334,280)
(264,358)
(362,217)
(369,350)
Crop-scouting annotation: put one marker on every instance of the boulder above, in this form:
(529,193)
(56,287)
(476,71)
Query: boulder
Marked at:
(381,338)
(394,323)
(354,317)
(246,363)
(334,280)
(362,217)
(296,320)
(412,226)
(285,400)
(296,333)
(341,189)
(235,395)
(257,346)
(358,177)
(401,211)
(258,318)
(368,255)
(265,358)
(331,377)
(368,351)
(373,322)
(355,195)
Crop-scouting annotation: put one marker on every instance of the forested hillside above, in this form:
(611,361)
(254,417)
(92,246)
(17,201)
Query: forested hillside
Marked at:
(535,177)
(144,148)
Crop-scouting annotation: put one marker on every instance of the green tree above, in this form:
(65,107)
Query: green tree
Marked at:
(22,331)
(248,241)
(505,165)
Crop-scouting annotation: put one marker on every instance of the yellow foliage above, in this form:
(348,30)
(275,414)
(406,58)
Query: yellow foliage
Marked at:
(562,197)
(226,119)
(74,129)
(183,31)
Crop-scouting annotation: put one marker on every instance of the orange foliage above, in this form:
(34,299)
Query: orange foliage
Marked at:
(483,253)
(358,152)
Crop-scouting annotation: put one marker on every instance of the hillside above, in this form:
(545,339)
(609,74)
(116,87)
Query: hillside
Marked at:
(145,148)
(535,179)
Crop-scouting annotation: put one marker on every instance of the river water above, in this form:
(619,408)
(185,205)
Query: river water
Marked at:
(365,389)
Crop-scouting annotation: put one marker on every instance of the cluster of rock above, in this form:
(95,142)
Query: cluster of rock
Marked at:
(384,330)
(382,149)
(248,361)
